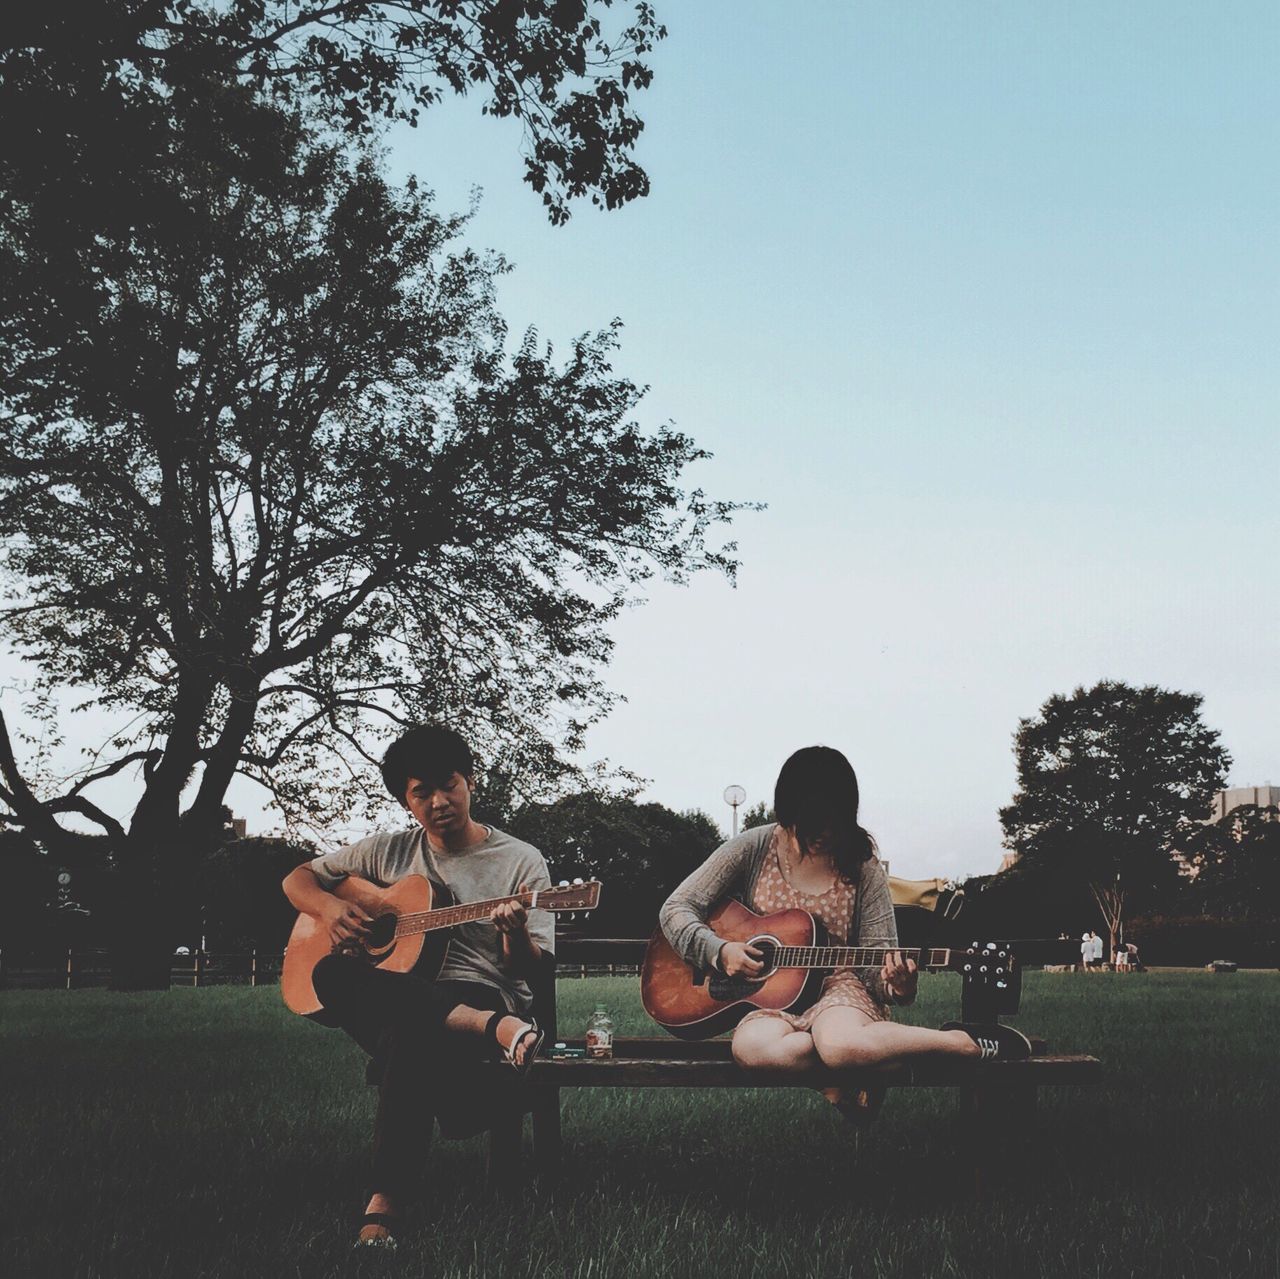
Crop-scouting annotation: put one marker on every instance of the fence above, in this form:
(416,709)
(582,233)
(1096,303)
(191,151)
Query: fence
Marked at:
(84,969)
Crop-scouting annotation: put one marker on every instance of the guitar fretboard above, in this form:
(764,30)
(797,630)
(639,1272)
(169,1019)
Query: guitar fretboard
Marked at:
(449,916)
(853,956)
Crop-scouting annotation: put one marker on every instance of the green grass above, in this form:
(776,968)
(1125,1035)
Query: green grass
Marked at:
(209,1133)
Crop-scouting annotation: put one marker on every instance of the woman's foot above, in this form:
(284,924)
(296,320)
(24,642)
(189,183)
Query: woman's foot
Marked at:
(859,1106)
(378,1227)
(992,1042)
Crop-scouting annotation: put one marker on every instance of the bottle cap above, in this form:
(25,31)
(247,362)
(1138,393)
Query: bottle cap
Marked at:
(600,1008)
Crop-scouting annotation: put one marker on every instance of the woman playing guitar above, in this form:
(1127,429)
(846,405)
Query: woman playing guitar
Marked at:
(816,857)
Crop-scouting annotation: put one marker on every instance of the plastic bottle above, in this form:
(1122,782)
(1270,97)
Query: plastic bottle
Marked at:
(600,1033)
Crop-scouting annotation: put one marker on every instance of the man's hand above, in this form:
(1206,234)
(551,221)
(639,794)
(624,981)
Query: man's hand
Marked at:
(740,960)
(345,921)
(511,917)
(519,951)
(900,977)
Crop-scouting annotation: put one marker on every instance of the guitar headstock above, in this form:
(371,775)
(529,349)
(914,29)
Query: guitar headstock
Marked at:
(580,895)
(991,973)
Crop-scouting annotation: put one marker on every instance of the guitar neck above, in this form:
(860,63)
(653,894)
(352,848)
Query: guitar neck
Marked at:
(854,956)
(429,921)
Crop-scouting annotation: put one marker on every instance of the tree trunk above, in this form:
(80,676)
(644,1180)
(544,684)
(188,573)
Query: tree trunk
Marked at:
(140,960)
(1110,899)
(143,929)
(153,886)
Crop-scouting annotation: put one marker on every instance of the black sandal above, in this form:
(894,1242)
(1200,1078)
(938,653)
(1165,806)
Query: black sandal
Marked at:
(386,1221)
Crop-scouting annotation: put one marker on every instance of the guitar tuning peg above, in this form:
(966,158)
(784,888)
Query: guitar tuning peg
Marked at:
(564,883)
(576,882)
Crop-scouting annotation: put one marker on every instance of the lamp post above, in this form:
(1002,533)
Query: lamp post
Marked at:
(735,796)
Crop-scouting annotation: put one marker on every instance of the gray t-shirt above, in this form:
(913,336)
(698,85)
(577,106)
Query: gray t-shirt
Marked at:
(494,867)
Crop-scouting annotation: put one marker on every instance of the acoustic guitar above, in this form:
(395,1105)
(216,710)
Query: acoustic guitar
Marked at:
(409,929)
(797,955)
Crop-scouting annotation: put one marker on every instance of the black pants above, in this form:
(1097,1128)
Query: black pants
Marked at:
(423,1070)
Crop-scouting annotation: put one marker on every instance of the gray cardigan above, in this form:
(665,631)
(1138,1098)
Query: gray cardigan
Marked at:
(732,871)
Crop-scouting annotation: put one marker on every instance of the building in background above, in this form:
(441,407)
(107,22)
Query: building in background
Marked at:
(1224,801)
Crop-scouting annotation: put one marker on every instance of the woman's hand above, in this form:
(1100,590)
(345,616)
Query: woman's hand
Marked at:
(900,977)
(739,960)
(344,921)
(511,917)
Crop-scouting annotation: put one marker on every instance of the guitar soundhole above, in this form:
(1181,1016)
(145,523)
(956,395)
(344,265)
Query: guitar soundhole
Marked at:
(732,989)
(382,933)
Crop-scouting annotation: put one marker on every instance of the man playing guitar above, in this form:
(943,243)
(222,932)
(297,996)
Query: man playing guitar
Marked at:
(423,1034)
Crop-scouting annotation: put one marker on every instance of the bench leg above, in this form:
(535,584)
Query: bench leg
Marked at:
(502,1170)
(546,1132)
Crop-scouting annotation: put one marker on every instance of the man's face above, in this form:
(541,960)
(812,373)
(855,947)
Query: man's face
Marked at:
(440,807)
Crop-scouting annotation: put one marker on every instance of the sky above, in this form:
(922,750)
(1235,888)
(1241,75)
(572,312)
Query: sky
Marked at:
(981,300)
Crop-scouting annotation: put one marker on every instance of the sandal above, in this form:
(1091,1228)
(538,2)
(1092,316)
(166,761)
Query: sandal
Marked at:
(508,1051)
(377,1230)
(858,1105)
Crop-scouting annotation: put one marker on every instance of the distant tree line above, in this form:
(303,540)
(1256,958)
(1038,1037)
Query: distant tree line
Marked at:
(1110,831)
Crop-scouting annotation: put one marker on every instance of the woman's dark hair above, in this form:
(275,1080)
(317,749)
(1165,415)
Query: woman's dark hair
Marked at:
(428,752)
(817,792)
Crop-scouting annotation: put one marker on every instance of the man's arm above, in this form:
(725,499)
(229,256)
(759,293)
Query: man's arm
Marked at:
(344,920)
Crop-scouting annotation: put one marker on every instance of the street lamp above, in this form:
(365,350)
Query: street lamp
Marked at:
(735,796)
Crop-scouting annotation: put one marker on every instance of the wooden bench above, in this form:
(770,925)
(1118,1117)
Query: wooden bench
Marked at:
(995,1096)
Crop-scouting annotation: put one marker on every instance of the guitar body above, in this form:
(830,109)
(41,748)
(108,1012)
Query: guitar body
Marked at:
(309,943)
(695,1005)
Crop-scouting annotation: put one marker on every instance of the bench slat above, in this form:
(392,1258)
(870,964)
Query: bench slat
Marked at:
(631,1072)
(666,1049)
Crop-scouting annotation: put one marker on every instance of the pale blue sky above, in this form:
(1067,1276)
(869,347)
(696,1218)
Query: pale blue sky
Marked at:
(982,300)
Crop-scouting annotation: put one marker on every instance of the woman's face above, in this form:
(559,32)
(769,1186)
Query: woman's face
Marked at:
(825,844)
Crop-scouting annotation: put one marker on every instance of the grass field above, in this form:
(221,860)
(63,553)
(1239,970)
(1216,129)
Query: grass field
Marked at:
(209,1133)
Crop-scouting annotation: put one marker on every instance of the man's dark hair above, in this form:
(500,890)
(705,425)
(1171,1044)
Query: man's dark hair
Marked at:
(430,753)
(817,793)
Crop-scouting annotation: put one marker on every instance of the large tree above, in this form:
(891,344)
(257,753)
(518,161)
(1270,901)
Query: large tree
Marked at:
(271,484)
(73,77)
(1111,781)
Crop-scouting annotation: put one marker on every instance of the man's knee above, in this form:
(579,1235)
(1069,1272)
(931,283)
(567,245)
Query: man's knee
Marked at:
(331,979)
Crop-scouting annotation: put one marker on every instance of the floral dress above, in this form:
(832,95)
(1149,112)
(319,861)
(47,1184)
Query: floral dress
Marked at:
(834,909)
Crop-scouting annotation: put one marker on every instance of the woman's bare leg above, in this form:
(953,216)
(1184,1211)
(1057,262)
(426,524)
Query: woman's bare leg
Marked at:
(846,1039)
(769,1043)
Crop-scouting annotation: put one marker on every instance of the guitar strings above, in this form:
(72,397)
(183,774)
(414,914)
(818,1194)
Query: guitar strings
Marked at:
(466,912)
(848,956)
